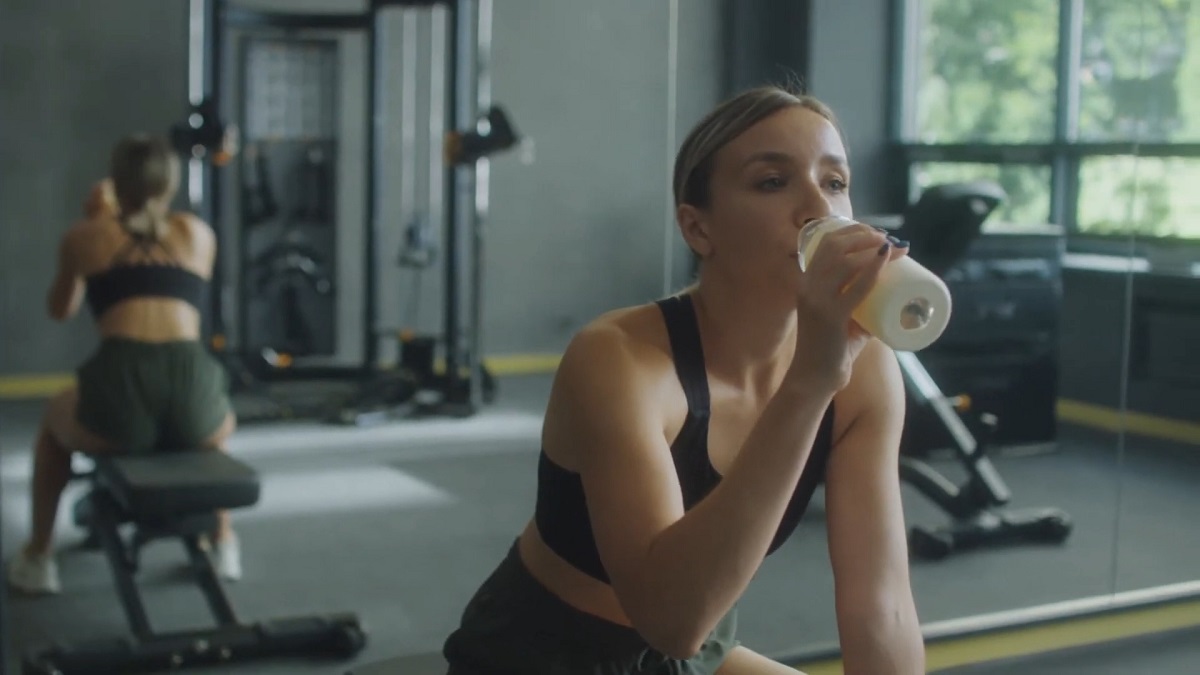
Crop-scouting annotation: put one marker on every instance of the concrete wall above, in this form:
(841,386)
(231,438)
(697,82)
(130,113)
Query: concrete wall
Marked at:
(581,229)
(75,75)
(850,69)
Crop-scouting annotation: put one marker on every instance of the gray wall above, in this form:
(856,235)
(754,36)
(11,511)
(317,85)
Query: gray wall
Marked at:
(74,75)
(849,57)
(581,229)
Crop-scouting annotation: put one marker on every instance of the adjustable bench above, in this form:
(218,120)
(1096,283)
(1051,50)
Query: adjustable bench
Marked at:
(177,495)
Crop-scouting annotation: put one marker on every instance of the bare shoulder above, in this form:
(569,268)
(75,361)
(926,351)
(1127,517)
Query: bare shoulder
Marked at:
(614,368)
(194,228)
(198,238)
(629,332)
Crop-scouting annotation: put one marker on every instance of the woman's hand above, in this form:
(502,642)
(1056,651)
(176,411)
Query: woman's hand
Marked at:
(837,278)
(101,201)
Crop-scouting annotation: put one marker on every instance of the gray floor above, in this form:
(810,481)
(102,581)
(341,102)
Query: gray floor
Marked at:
(400,524)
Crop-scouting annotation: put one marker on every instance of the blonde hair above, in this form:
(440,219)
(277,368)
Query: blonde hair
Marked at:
(695,159)
(141,170)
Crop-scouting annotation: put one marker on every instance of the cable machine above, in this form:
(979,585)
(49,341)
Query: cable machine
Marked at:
(301,219)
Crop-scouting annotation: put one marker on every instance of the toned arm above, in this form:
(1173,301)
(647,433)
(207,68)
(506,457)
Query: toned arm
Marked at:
(67,290)
(877,619)
(676,574)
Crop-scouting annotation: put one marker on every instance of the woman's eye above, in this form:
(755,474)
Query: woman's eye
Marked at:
(837,185)
(772,183)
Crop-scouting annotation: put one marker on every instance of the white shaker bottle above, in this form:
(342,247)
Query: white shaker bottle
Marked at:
(909,306)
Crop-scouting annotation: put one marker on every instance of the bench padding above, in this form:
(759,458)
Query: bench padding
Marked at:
(169,485)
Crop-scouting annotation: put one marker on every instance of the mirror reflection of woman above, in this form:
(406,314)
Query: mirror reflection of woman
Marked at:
(151,384)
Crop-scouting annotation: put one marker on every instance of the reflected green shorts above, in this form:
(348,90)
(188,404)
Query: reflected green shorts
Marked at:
(515,626)
(146,396)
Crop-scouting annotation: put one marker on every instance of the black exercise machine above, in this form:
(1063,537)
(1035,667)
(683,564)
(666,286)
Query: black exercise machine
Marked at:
(940,226)
(474,129)
(387,395)
(176,495)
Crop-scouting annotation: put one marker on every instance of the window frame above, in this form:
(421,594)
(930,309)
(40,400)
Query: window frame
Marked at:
(1063,154)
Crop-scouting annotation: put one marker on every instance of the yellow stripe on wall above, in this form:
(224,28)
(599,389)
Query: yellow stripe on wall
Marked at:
(1030,640)
(1109,419)
(523,364)
(33,386)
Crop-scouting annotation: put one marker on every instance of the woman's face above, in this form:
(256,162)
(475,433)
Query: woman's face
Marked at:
(765,185)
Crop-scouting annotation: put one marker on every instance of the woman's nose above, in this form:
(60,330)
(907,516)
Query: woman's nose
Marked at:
(815,212)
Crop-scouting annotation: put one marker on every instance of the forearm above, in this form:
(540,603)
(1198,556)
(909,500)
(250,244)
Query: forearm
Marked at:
(64,298)
(58,303)
(66,290)
(882,641)
(702,564)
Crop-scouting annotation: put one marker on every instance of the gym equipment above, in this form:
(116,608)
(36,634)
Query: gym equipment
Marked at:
(458,89)
(204,135)
(493,133)
(258,197)
(940,226)
(415,389)
(175,495)
(289,286)
(284,273)
(1003,342)
(316,193)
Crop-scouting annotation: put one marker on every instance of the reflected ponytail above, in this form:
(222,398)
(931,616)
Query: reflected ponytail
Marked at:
(141,171)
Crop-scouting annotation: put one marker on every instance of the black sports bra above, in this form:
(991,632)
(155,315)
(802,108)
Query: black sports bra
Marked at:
(561,512)
(124,280)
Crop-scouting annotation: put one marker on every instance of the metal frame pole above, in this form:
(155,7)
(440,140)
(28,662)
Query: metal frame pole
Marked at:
(203,77)
(483,98)
(371,236)
(460,178)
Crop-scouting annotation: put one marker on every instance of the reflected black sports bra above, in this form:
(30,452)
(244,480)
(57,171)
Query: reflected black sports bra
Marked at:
(124,280)
(561,511)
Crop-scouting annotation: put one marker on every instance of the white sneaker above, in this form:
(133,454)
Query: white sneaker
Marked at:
(227,558)
(36,575)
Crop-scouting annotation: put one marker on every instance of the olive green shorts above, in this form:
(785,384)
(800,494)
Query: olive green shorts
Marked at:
(147,396)
(515,626)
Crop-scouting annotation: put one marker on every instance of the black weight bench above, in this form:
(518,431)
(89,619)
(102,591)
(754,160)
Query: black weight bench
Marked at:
(177,495)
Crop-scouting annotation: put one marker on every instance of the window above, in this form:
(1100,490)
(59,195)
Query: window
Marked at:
(1133,65)
(1152,196)
(1084,111)
(987,71)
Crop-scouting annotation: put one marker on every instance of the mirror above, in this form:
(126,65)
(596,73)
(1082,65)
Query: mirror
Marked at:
(986,99)
(1146,97)
(984,95)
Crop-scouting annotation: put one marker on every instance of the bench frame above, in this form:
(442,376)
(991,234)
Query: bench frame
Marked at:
(102,513)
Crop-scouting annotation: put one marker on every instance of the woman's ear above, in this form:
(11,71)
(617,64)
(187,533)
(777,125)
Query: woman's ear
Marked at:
(694,228)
